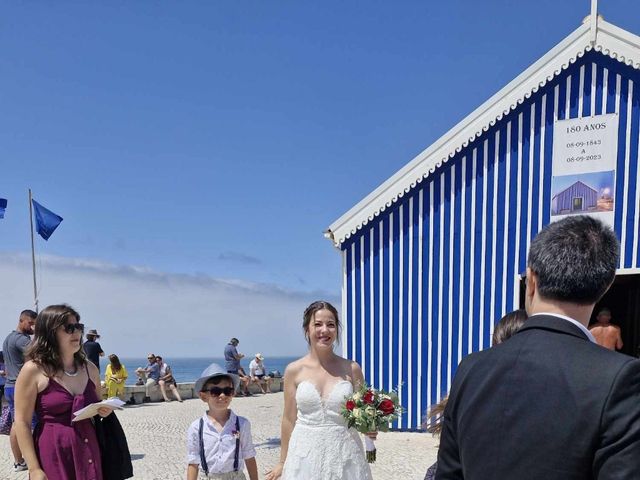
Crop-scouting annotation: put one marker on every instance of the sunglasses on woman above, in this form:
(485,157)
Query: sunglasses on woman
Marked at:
(72,327)
(217,391)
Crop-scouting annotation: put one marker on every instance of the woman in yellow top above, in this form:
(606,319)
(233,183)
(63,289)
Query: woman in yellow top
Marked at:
(115,377)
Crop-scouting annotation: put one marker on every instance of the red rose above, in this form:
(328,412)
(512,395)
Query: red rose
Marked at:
(368,397)
(386,407)
(350,405)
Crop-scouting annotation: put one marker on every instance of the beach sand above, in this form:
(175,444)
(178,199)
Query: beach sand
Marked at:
(156,435)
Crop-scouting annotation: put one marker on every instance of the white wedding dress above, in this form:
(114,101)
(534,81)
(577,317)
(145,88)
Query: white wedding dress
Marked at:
(321,447)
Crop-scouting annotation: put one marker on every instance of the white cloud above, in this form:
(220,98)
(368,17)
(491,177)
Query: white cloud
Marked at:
(137,310)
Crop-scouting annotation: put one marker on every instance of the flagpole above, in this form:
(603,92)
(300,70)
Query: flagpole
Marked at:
(594,21)
(33,254)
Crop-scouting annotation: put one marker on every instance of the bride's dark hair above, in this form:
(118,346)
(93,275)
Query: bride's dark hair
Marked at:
(44,350)
(310,312)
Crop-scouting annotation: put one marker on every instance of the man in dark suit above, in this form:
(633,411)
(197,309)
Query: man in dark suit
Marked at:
(549,404)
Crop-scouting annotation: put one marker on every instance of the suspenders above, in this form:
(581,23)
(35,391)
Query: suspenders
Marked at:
(203,458)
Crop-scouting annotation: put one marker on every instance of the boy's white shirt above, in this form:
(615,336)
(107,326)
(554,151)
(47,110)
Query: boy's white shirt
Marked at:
(219,448)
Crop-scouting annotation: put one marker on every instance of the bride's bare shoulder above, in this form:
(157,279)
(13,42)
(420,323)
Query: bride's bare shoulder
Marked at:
(354,370)
(295,367)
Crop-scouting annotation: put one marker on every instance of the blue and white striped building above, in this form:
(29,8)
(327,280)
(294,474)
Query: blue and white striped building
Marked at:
(432,258)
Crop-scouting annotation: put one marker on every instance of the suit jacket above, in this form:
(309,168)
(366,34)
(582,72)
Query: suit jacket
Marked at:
(546,404)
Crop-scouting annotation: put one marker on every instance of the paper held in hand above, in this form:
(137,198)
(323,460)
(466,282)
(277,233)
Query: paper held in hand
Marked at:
(92,409)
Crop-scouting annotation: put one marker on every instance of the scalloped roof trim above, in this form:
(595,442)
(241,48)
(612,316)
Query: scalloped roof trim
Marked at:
(612,41)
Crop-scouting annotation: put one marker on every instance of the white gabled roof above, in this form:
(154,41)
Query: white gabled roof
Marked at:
(609,39)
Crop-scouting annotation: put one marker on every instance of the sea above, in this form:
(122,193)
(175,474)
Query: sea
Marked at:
(189,369)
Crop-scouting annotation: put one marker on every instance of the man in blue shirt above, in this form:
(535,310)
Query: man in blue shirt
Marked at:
(13,349)
(232,357)
(150,375)
(232,364)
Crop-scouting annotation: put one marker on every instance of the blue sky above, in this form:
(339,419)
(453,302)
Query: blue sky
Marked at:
(218,140)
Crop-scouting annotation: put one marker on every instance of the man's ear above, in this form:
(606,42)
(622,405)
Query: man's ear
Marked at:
(531,283)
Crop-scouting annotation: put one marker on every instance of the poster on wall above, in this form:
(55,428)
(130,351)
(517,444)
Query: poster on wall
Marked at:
(584,167)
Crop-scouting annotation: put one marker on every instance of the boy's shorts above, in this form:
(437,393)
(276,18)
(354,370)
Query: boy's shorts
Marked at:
(223,476)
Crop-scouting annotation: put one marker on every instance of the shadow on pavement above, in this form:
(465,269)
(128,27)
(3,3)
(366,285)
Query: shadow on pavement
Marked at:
(273,442)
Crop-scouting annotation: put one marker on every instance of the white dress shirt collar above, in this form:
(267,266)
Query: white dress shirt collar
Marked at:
(584,329)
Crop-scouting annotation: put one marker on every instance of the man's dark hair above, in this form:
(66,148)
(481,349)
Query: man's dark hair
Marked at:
(575,259)
(29,313)
(234,340)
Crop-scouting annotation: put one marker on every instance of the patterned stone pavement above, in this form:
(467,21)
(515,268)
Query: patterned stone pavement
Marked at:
(156,435)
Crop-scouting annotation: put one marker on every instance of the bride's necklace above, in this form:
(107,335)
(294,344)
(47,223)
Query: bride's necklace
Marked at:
(71,374)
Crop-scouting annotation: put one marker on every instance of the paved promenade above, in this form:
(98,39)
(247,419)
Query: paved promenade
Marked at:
(156,435)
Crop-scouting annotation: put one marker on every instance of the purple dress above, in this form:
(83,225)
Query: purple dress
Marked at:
(66,451)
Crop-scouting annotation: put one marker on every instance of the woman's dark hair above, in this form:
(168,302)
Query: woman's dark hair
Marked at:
(575,259)
(310,313)
(1,357)
(44,350)
(508,326)
(115,362)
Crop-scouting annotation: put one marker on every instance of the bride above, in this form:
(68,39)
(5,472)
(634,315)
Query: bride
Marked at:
(315,441)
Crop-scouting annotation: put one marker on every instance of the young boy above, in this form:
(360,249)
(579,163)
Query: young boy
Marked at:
(219,443)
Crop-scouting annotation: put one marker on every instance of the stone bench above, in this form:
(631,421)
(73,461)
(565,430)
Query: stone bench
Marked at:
(186,390)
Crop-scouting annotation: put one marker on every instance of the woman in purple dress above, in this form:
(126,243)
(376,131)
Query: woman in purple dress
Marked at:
(56,381)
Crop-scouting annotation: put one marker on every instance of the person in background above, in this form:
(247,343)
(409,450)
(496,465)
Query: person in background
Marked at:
(219,443)
(3,377)
(232,363)
(149,375)
(166,378)
(92,348)
(115,377)
(232,357)
(506,327)
(606,334)
(56,381)
(245,380)
(13,349)
(258,374)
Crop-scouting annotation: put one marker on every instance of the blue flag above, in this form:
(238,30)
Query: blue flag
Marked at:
(3,206)
(46,220)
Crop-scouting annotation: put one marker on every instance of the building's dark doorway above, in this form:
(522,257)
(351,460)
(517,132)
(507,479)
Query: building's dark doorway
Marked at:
(623,299)
(577,204)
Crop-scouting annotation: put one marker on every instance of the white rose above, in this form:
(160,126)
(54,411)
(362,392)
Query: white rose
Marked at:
(357,413)
(357,396)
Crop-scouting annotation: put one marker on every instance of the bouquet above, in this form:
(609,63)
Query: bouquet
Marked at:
(370,410)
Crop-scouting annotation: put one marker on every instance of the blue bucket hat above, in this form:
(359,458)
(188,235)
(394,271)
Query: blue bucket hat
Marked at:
(212,371)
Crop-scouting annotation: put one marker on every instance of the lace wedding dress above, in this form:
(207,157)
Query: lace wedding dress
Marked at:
(321,447)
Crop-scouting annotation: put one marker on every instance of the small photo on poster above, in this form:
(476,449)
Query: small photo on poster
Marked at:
(583,193)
